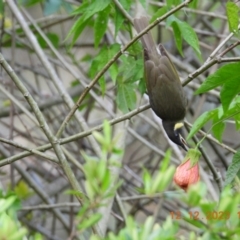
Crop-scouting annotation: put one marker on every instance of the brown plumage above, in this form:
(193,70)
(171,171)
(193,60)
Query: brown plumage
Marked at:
(166,95)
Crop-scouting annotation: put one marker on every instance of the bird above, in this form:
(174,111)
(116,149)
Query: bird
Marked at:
(166,95)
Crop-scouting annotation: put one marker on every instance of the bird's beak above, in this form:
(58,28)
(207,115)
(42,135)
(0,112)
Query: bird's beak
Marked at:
(184,143)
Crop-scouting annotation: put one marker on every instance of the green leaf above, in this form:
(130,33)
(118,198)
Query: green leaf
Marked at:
(147,180)
(119,18)
(131,69)
(232,16)
(28,3)
(198,124)
(100,25)
(102,84)
(166,179)
(113,71)
(229,90)
(1,6)
(237,121)
(147,228)
(165,162)
(54,39)
(22,190)
(82,8)
(100,138)
(90,221)
(218,130)
(177,37)
(95,7)
(88,11)
(233,168)
(170,3)
(142,86)
(194,195)
(193,4)
(189,36)
(103,57)
(194,156)
(5,204)
(107,130)
(51,6)
(186,31)
(160,12)
(143,2)
(77,28)
(229,72)
(126,97)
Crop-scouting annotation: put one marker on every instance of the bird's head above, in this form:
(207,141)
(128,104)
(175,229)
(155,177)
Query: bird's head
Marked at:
(174,132)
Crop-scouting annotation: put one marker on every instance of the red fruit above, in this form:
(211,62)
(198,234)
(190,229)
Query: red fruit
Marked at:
(186,175)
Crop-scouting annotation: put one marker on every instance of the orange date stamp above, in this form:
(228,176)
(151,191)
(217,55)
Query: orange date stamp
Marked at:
(196,215)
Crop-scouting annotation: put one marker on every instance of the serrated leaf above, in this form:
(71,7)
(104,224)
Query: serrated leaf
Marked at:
(177,37)
(51,6)
(100,25)
(229,90)
(232,15)
(118,21)
(132,70)
(119,18)
(233,168)
(82,8)
(160,12)
(142,86)
(229,72)
(113,71)
(189,36)
(126,97)
(199,123)
(99,61)
(95,7)
(77,28)
(102,58)
(88,11)
(102,84)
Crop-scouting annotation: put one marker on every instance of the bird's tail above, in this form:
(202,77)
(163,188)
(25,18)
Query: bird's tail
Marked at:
(146,39)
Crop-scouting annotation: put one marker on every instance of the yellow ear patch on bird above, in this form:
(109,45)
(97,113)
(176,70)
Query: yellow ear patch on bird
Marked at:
(178,125)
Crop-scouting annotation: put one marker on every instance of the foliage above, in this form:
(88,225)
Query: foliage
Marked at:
(210,219)
(100,184)
(10,227)
(122,85)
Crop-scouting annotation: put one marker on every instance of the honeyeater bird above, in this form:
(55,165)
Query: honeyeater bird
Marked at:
(166,95)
